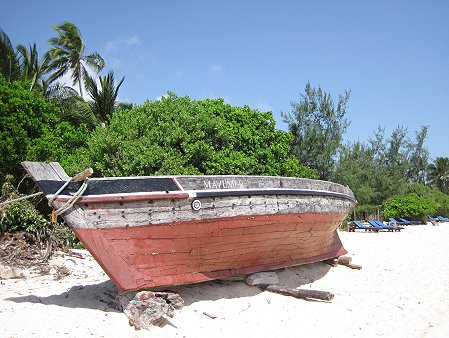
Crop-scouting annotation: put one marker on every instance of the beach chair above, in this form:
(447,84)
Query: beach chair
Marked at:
(381,225)
(443,219)
(392,220)
(411,222)
(432,219)
(358,225)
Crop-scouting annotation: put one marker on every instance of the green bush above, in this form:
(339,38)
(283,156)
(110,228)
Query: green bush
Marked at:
(18,216)
(409,206)
(31,129)
(23,117)
(180,136)
(58,143)
(435,195)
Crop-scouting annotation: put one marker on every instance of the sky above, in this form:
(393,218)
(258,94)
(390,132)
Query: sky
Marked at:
(393,55)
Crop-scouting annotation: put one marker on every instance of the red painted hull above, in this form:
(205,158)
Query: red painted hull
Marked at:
(194,251)
(150,232)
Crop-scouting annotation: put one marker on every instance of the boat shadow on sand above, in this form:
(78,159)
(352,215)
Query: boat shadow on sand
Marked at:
(293,277)
(104,296)
(101,296)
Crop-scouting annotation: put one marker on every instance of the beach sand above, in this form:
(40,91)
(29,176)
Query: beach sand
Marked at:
(402,290)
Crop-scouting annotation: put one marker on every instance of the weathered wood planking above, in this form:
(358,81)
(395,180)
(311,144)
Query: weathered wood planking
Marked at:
(105,215)
(196,250)
(152,238)
(45,171)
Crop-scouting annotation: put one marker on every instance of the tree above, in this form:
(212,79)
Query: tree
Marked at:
(9,62)
(435,195)
(178,136)
(317,125)
(31,129)
(438,173)
(394,165)
(67,53)
(104,98)
(419,157)
(396,157)
(124,106)
(381,168)
(32,69)
(409,206)
(73,108)
(357,169)
(22,65)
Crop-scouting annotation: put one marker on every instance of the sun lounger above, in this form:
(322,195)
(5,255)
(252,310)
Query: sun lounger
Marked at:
(392,220)
(381,225)
(411,222)
(443,219)
(358,225)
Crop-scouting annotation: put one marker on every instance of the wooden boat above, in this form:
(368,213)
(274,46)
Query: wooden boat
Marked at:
(150,232)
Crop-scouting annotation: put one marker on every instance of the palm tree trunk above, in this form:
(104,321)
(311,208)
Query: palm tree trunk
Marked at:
(81,89)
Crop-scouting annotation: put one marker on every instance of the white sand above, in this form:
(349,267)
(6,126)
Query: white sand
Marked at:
(401,291)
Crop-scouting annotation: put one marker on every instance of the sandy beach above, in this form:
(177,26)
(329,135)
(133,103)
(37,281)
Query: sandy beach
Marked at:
(402,290)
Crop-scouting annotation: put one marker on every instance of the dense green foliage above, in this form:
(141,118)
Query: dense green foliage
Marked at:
(9,63)
(30,129)
(410,206)
(19,216)
(317,126)
(179,136)
(104,96)
(439,174)
(382,168)
(434,194)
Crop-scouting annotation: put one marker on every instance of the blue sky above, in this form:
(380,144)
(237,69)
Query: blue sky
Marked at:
(392,55)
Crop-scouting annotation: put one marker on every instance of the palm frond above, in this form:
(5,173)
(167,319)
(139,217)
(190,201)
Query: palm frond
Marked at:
(9,62)
(73,108)
(103,99)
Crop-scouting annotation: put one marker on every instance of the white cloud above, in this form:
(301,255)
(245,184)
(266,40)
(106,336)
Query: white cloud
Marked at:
(216,68)
(121,41)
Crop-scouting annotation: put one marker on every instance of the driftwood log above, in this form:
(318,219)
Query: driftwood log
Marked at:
(147,308)
(300,293)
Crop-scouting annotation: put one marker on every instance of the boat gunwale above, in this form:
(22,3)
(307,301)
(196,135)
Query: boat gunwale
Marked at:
(185,194)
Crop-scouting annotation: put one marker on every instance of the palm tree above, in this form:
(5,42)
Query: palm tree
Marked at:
(67,54)
(438,173)
(73,108)
(31,69)
(104,98)
(9,62)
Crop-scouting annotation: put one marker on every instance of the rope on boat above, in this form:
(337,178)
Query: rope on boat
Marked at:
(84,175)
(72,199)
(81,176)
(20,199)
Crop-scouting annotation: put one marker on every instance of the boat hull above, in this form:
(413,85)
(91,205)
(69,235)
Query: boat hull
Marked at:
(152,232)
(186,252)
